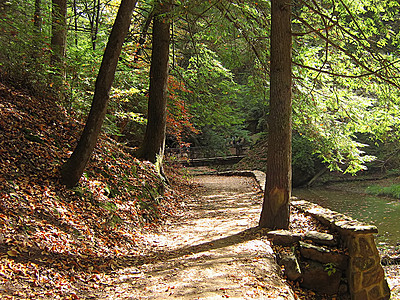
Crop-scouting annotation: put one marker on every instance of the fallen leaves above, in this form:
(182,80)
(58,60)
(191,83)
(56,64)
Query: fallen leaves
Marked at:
(53,240)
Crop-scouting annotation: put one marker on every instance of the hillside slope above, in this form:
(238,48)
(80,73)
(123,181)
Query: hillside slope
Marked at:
(50,235)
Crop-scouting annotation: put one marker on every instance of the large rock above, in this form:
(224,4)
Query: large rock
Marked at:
(292,267)
(323,255)
(321,238)
(320,278)
(283,237)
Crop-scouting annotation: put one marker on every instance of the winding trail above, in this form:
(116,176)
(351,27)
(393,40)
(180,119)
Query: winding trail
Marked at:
(213,252)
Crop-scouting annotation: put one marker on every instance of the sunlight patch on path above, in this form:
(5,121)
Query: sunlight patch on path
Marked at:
(214,252)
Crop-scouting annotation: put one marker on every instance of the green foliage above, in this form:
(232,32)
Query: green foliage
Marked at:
(214,100)
(389,191)
(82,69)
(345,58)
(330,268)
(24,49)
(303,159)
(342,87)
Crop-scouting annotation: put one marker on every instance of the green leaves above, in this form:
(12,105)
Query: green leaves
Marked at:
(344,66)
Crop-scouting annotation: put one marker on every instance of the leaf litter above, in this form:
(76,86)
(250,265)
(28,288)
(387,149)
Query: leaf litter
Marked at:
(107,238)
(120,233)
(55,242)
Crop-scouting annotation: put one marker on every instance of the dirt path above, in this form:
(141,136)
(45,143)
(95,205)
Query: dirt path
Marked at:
(213,252)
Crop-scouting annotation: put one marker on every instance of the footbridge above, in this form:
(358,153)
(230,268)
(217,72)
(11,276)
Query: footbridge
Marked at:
(202,156)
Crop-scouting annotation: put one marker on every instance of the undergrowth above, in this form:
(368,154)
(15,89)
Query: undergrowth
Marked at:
(392,191)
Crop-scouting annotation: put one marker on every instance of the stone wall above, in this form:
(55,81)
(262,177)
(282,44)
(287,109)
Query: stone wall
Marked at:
(343,262)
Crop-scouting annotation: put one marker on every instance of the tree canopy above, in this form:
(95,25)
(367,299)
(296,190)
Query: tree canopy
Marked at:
(345,66)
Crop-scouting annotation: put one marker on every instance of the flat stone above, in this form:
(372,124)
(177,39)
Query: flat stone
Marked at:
(355,282)
(302,205)
(324,215)
(375,293)
(283,237)
(321,238)
(343,289)
(354,226)
(316,278)
(366,245)
(323,255)
(330,217)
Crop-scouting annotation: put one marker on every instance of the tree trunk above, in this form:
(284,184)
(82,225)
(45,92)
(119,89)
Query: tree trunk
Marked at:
(75,23)
(95,26)
(59,38)
(72,170)
(275,212)
(154,139)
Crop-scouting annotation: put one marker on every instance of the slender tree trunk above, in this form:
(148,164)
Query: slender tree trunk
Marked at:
(275,212)
(75,23)
(73,169)
(154,139)
(95,25)
(59,37)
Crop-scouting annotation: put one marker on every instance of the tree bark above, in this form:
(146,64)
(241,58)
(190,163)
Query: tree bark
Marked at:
(275,212)
(73,169)
(59,37)
(154,139)
(95,26)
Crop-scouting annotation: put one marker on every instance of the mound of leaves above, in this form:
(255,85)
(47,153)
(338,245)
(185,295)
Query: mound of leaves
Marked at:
(52,239)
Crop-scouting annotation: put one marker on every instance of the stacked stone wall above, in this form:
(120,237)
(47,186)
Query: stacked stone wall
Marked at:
(362,269)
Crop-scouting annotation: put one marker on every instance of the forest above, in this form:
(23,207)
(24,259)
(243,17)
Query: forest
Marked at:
(98,96)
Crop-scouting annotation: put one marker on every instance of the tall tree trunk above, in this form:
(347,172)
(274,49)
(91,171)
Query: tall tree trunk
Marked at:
(275,212)
(75,23)
(154,139)
(95,25)
(73,169)
(59,38)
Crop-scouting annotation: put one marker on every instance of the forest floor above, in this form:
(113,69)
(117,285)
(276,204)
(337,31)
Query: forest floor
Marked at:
(120,234)
(213,251)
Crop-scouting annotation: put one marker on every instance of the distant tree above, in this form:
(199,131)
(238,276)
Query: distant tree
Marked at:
(94,22)
(73,169)
(58,38)
(154,139)
(275,212)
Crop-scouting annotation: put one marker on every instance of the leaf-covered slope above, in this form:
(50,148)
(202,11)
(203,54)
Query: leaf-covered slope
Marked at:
(49,235)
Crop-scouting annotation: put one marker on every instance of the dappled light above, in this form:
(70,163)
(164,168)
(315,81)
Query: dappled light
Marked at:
(213,250)
(149,148)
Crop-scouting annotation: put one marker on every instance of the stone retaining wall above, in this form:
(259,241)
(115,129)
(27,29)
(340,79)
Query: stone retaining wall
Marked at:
(364,273)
